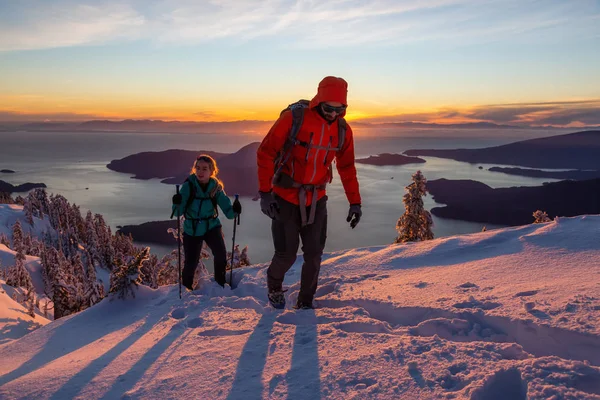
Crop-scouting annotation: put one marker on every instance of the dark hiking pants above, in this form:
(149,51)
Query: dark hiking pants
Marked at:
(287,230)
(192,246)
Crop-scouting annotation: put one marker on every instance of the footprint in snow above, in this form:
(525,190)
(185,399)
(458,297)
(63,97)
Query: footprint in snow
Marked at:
(178,313)
(526,293)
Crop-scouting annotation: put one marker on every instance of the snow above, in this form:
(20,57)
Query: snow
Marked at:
(15,322)
(9,214)
(503,314)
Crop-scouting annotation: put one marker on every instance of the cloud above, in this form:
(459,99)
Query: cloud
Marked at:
(36,24)
(205,114)
(566,113)
(28,25)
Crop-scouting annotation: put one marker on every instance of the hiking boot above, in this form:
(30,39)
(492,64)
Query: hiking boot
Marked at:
(277,299)
(302,305)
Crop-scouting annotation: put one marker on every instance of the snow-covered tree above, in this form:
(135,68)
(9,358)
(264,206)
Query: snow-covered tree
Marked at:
(94,290)
(6,198)
(126,277)
(18,275)
(17,236)
(28,208)
(240,259)
(244,259)
(540,217)
(157,273)
(416,222)
(4,240)
(30,302)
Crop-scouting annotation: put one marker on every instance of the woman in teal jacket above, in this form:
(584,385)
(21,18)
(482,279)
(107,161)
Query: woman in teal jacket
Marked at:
(197,201)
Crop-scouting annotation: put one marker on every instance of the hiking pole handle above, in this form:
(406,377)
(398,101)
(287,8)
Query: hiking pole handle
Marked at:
(237,198)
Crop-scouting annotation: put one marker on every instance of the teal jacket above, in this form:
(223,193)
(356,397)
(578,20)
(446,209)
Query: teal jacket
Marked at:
(200,212)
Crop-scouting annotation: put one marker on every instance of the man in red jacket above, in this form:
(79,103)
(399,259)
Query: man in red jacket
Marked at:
(292,179)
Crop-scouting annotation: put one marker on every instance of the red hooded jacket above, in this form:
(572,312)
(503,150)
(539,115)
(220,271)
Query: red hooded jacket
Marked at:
(311,168)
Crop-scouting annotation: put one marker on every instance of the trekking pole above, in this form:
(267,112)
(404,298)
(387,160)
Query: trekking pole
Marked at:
(178,243)
(236,221)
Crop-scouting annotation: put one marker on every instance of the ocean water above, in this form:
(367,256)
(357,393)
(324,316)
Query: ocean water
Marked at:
(74,165)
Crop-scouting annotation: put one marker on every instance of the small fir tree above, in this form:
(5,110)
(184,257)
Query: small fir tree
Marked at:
(540,217)
(416,222)
(126,277)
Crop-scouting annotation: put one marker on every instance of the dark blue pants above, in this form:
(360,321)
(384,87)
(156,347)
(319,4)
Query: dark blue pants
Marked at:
(192,246)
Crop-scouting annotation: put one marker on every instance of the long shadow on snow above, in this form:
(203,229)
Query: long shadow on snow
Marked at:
(247,383)
(303,378)
(78,381)
(68,336)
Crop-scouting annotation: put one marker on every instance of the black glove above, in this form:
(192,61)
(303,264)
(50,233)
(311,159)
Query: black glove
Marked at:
(268,205)
(354,214)
(177,199)
(237,207)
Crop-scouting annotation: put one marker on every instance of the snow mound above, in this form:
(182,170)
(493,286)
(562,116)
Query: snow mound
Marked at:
(508,313)
(15,322)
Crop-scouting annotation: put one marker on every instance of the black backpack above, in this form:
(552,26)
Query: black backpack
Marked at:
(297,110)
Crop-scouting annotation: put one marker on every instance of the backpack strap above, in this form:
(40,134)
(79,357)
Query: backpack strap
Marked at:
(297,110)
(342,127)
(213,198)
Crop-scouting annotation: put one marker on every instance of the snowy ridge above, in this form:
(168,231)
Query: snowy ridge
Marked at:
(504,314)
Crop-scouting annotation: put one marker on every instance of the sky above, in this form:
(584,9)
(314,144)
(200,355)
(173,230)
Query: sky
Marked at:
(518,62)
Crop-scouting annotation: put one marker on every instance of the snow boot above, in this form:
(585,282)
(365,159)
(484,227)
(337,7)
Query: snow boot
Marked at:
(277,299)
(301,305)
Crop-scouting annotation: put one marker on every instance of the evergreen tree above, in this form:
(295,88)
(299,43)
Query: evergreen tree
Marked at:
(126,277)
(30,302)
(6,198)
(540,217)
(28,208)
(416,222)
(4,240)
(17,236)
(94,290)
(244,259)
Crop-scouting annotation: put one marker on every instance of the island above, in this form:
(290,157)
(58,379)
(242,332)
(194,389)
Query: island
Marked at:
(151,232)
(390,159)
(25,187)
(579,150)
(238,170)
(577,175)
(474,201)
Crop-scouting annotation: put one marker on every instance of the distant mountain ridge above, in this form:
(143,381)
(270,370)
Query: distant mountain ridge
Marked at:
(579,150)
(262,126)
(145,125)
(238,170)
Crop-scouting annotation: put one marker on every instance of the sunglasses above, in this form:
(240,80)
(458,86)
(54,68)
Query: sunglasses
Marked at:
(331,109)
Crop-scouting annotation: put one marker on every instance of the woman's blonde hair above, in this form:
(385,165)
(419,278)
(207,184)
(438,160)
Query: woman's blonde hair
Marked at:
(214,170)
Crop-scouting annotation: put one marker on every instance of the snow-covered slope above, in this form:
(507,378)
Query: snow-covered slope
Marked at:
(9,214)
(15,322)
(504,314)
